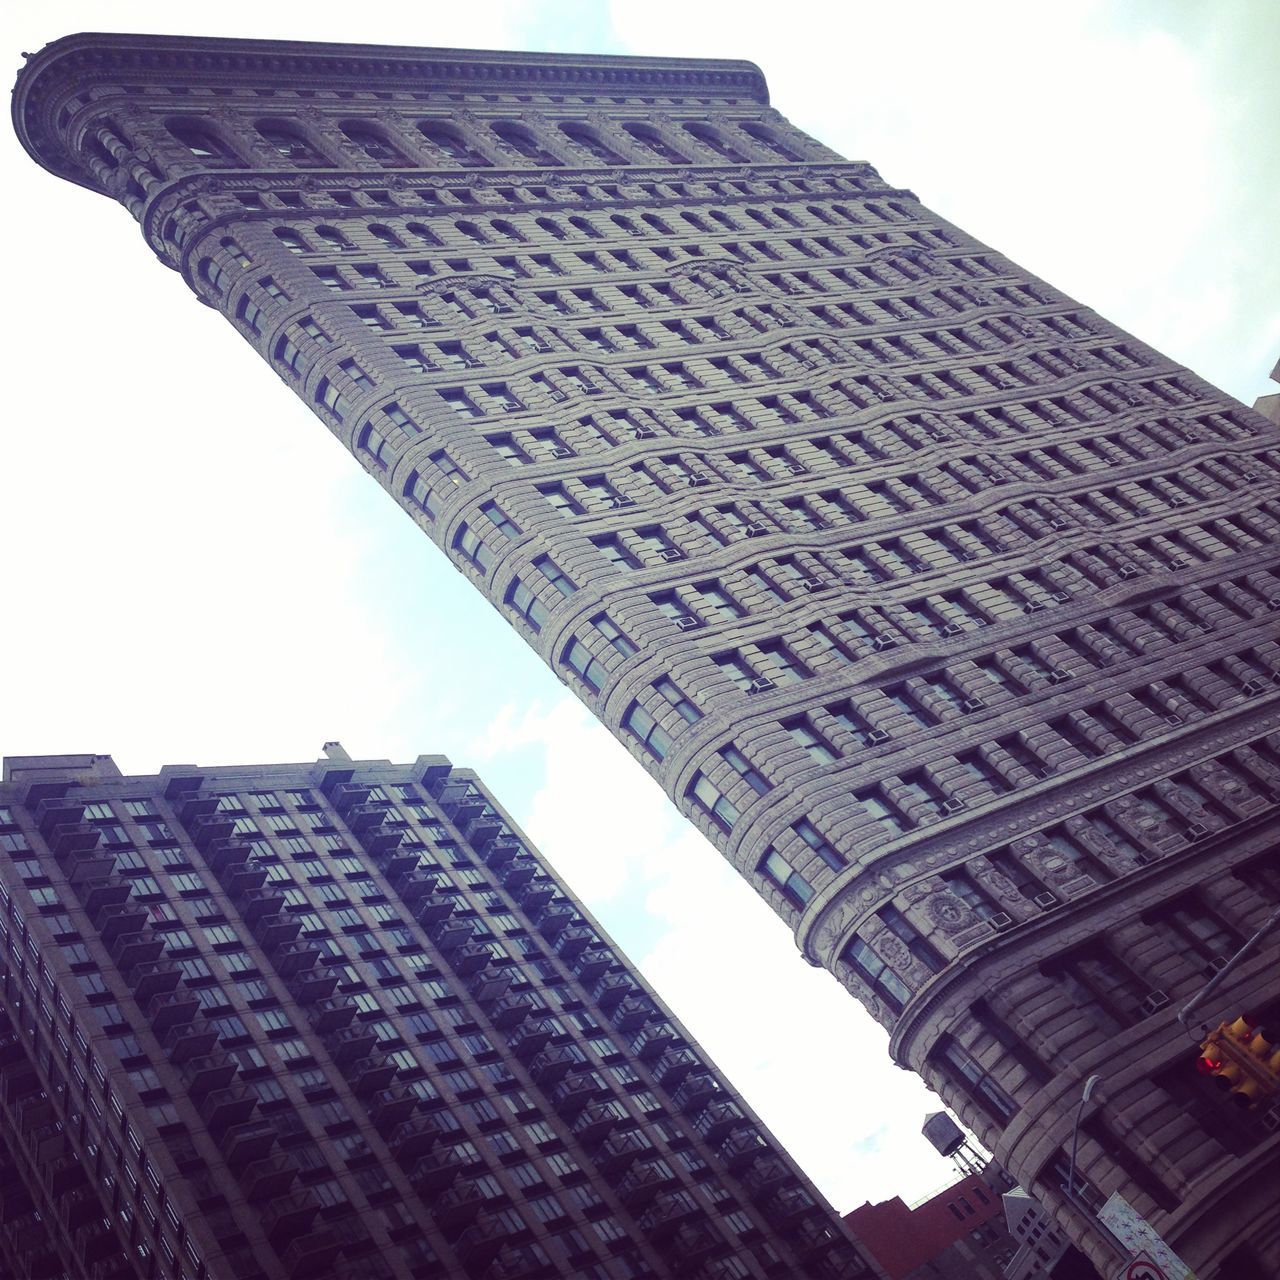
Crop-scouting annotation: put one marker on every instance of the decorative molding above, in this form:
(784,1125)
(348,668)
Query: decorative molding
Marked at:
(824,932)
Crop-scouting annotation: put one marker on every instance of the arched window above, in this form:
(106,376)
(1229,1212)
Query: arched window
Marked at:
(623,223)
(585,227)
(785,215)
(386,235)
(446,138)
(516,135)
(656,223)
(819,212)
(650,140)
(551,227)
(709,137)
(470,229)
(424,234)
(334,238)
(372,141)
(723,219)
(589,139)
(763,136)
(504,228)
(204,145)
(288,142)
(292,240)
(695,222)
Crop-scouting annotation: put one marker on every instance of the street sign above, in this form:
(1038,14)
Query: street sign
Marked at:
(1143,1268)
(1149,1257)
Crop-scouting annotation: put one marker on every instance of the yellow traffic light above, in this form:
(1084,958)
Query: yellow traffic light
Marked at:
(1241,1058)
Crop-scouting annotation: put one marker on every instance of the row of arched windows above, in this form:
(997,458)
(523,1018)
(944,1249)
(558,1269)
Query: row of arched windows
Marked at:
(207,144)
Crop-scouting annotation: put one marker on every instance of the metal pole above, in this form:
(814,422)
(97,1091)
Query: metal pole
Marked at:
(1225,972)
(1089,1086)
(1105,1231)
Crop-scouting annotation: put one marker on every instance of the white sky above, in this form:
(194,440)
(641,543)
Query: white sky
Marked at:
(196,572)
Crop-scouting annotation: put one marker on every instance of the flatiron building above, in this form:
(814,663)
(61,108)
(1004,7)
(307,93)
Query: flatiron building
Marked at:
(340,1021)
(945,608)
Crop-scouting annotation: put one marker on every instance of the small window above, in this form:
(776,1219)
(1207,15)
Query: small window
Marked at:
(447,139)
(577,657)
(555,575)
(469,544)
(289,143)
(373,141)
(204,145)
(773,866)
(375,446)
(291,240)
(640,723)
(706,796)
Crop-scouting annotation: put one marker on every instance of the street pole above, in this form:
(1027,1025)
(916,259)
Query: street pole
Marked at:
(1089,1086)
(1225,972)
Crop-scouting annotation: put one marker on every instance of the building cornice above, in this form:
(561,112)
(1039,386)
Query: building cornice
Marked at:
(89,57)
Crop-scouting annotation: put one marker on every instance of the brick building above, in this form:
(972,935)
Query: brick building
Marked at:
(341,1020)
(945,608)
(957,1234)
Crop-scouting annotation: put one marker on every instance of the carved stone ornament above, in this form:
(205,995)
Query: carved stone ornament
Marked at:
(833,927)
(996,881)
(917,893)
(949,913)
(894,952)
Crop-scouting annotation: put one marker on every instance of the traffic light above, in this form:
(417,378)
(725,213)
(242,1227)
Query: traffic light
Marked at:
(1242,1058)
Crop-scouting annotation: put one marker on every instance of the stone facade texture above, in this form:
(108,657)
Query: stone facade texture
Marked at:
(339,1021)
(945,608)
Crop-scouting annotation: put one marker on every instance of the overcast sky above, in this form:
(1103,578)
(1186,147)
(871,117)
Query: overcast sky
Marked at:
(195,571)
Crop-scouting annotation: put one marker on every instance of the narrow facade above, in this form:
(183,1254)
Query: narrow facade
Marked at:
(945,608)
(340,1020)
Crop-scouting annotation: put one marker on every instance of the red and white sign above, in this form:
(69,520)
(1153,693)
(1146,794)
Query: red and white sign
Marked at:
(1143,1268)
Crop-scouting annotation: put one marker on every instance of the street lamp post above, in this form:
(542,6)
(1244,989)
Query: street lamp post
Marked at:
(1089,1086)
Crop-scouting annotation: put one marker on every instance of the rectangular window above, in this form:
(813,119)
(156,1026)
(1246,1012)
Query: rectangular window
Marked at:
(672,693)
(876,974)
(708,797)
(819,750)
(773,866)
(640,723)
(613,549)
(521,600)
(578,658)
(620,643)
(555,575)
(745,770)
(818,843)
(974,1081)
(500,520)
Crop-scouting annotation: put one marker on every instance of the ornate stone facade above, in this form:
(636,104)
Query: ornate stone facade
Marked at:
(338,1021)
(944,607)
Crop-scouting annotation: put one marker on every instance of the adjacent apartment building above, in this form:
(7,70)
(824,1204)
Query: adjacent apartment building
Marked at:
(945,608)
(340,1021)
